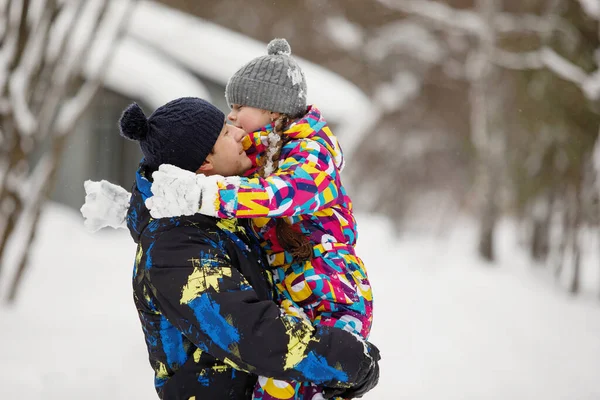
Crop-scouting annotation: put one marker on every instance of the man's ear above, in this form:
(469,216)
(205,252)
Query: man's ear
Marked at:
(206,167)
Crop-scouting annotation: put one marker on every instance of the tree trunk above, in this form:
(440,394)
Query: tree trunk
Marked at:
(56,116)
(480,74)
(573,236)
(564,238)
(576,253)
(541,225)
(48,170)
(487,227)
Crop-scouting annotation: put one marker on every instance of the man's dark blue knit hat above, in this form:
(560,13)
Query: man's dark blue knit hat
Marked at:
(182,132)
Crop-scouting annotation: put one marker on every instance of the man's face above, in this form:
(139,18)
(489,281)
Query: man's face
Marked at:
(228,157)
(250,119)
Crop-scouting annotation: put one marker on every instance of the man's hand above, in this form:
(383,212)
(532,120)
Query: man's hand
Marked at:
(176,192)
(105,205)
(368,380)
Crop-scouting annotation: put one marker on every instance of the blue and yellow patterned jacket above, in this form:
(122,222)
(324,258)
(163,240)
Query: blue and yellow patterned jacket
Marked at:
(203,299)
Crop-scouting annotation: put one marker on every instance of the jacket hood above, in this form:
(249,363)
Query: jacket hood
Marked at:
(312,126)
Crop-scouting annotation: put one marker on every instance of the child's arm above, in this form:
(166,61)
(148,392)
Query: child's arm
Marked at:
(254,148)
(305,182)
(106,204)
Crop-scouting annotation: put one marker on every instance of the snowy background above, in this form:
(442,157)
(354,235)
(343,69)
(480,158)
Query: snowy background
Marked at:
(464,122)
(448,326)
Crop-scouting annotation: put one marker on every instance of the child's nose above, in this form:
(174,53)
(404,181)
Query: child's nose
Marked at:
(230,116)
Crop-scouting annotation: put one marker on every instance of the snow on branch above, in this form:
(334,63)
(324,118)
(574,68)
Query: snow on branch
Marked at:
(517,61)
(101,51)
(546,57)
(470,21)
(507,23)
(24,118)
(439,13)
(9,43)
(563,67)
(21,76)
(591,8)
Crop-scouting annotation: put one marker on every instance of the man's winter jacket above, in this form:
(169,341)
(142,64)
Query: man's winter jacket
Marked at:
(203,299)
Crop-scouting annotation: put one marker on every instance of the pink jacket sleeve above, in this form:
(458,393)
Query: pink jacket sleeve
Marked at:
(305,182)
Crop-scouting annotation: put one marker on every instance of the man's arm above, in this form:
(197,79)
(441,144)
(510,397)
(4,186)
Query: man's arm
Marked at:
(216,308)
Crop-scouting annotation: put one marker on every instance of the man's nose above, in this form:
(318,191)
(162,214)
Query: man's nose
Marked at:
(240,133)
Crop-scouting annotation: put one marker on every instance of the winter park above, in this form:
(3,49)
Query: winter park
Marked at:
(377,199)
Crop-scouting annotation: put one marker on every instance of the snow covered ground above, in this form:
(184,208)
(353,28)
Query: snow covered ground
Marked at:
(448,327)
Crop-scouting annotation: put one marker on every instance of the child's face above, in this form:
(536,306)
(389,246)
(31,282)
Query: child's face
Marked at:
(250,119)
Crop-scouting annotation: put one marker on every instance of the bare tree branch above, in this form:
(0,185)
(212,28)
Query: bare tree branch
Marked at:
(546,57)
(469,21)
(21,76)
(75,106)
(3,20)
(110,23)
(591,8)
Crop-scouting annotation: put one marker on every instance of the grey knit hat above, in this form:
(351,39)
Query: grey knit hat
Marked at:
(181,132)
(273,82)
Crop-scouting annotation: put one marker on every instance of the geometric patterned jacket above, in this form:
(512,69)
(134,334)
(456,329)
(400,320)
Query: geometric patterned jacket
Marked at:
(307,190)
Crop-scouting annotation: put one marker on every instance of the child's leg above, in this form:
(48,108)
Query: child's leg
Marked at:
(273,389)
(330,291)
(333,290)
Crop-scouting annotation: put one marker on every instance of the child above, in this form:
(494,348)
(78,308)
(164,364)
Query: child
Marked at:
(294,195)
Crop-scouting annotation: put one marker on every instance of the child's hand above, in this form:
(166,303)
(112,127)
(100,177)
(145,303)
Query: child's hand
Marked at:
(106,204)
(176,192)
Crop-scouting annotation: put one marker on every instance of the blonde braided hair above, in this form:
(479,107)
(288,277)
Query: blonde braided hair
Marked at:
(292,241)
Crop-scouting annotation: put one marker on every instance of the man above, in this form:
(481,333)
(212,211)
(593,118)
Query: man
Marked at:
(202,290)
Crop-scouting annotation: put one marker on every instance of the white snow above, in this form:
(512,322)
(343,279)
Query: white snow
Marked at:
(138,71)
(469,20)
(394,95)
(24,118)
(591,8)
(439,13)
(295,75)
(272,140)
(562,67)
(448,326)
(407,37)
(345,34)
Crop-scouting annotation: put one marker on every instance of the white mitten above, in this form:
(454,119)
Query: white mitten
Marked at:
(106,204)
(176,192)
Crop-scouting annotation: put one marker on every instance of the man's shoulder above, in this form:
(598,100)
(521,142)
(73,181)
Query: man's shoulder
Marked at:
(199,229)
(185,229)
(186,238)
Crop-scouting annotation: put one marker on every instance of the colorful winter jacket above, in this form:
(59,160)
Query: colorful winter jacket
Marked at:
(306,188)
(203,299)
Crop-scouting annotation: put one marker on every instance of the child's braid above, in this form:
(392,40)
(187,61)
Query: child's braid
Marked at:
(292,241)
